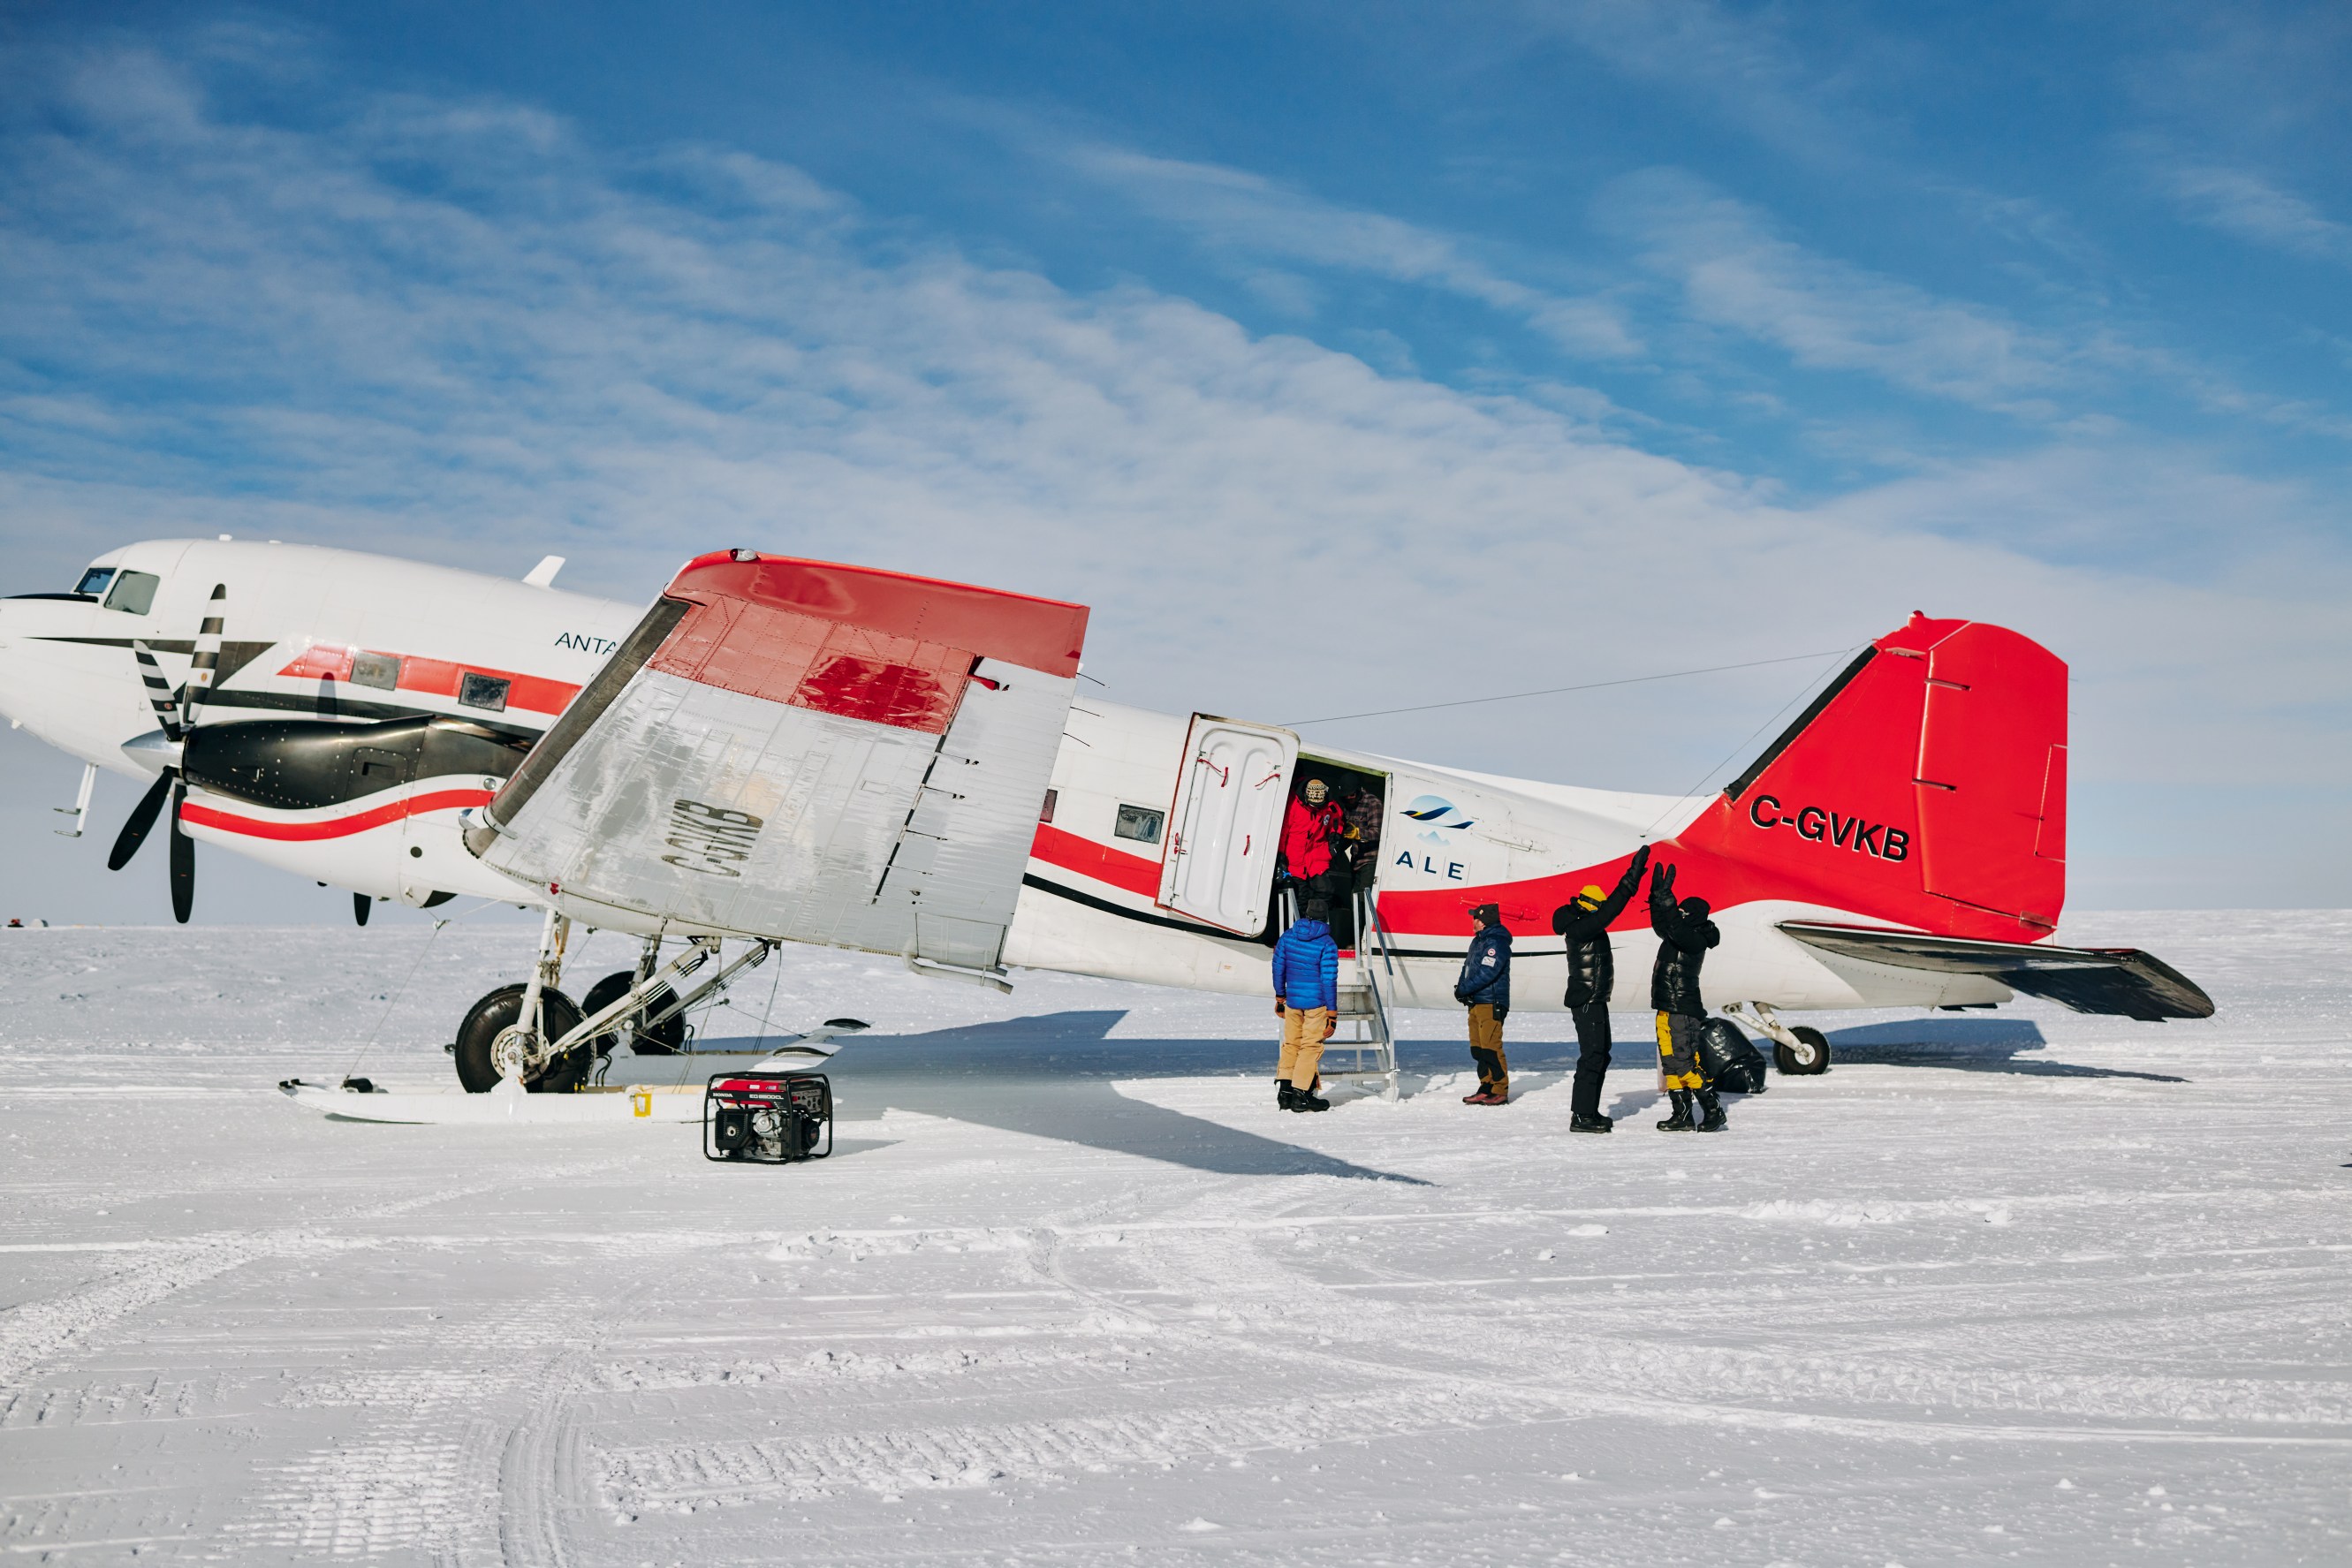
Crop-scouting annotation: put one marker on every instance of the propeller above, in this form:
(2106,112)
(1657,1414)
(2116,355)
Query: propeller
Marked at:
(175,720)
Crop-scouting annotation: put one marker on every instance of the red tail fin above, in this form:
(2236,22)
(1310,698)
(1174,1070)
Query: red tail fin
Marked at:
(1928,785)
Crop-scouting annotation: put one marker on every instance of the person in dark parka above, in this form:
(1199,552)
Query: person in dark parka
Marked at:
(1591,974)
(1685,934)
(1484,988)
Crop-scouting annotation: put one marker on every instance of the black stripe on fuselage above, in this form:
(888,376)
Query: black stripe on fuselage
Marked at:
(341,706)
(233,655)
(1191,928)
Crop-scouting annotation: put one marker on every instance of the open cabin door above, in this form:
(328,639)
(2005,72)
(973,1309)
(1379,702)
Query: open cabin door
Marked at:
(1228,813)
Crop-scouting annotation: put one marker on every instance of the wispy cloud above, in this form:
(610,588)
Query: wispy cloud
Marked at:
(1741,69)
(1737,274)
(2244,203)
(1248,213)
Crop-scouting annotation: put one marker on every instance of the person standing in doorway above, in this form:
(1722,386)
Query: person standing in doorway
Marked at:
(1310,832)
(1484,988)
(1306,1000)
(1584,921)
(1685,934)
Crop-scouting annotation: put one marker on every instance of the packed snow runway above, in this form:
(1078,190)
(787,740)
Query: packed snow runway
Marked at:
(2015,1287)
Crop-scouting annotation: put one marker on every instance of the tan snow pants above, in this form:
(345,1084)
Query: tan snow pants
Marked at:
(1302,1045)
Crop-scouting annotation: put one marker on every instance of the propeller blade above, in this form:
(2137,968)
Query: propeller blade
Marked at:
(159,690)
(206,659)
(184,862)
(135,826)
(360,904)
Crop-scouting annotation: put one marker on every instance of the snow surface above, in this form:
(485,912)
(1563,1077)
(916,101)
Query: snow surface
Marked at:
(2015,1287)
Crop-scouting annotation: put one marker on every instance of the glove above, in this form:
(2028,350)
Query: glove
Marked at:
(1500,1014)
(1331,1027)
(1640,860)
(1278,1010)
(1664,877)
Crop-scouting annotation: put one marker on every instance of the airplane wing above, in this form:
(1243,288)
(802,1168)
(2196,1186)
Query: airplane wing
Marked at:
(795,749)
(2122,981)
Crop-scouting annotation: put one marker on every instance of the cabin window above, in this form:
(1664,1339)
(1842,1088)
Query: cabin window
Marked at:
(93,582)
(484,691)
(381,671)
(1141,823)
(133,593)
(1045,814)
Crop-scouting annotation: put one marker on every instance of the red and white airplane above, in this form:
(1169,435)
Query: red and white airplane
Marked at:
(793,751)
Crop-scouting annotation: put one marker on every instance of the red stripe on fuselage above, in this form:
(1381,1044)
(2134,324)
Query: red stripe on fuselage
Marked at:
(335,827)
(433,677)
(1132,873)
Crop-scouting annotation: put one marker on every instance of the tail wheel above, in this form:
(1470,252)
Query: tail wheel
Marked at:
(667,1037)
(500,1010)
(1809,1056)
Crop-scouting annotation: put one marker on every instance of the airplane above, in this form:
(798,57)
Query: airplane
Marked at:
(784,749)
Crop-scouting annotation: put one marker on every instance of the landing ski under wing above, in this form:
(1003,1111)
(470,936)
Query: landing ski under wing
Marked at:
(2123,981)
(817,753)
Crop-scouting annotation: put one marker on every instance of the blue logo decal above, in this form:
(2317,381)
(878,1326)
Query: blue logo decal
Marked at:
(1435,813)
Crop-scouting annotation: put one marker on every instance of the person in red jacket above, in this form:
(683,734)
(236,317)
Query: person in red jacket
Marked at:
(1309,832)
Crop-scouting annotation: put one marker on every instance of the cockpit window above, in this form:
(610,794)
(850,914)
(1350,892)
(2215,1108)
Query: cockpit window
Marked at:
(134,592)
(93,582)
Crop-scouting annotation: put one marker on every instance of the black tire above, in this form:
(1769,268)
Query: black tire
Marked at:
(496,1012)
(665,1039)
(1814,1060)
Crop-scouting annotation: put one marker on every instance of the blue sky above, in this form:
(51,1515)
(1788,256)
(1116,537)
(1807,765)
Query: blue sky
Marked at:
(1343,357)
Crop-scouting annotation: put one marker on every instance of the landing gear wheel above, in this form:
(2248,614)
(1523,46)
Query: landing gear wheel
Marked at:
(502,1011)
(1809,1056)
(667,1037)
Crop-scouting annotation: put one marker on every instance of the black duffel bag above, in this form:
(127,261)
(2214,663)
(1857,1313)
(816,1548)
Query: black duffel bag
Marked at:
(1729,1060)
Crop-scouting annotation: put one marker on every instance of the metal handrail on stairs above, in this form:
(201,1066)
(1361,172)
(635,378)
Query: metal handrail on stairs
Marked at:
(1373,1036)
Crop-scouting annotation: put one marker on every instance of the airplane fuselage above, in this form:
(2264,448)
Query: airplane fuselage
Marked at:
(429,683)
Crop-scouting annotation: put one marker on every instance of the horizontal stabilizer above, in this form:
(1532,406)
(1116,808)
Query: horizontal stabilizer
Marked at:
(2121,981)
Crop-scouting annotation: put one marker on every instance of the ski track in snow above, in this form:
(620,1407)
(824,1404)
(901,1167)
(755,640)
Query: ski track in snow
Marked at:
(2032,1287)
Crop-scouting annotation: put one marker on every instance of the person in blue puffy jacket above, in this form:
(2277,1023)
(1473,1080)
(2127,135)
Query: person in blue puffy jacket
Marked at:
(1484,988)
(1306,1000)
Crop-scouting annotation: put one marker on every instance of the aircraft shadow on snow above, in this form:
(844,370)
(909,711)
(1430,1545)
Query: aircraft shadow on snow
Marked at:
(1970,1045)
(1050,1076)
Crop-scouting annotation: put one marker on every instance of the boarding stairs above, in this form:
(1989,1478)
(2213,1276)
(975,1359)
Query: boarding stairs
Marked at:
(1367,985)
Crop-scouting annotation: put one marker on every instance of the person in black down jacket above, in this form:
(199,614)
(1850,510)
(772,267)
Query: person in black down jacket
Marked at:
(1484,988)
(1685,934)
(1592,973)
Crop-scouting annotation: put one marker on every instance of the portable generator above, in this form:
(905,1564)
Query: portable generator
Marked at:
(774,1119)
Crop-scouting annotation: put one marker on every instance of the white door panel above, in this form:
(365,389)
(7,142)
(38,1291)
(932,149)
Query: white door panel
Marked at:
(1228,823)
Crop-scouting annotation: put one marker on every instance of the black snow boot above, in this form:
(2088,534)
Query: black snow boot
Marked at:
(1716,1120)
(1582,1122)
(1680,1122)
(1283,1093)
(1307,1100)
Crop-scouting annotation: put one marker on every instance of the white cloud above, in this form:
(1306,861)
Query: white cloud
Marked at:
(1737,274)
(1233,207)
(450,331)
(1742,69)
(2241,202)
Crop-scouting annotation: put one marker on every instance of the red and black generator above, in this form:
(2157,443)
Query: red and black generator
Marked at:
(780,1118)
